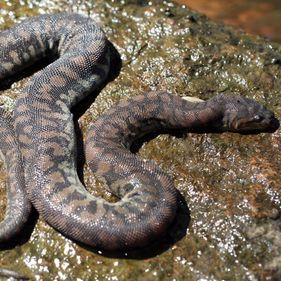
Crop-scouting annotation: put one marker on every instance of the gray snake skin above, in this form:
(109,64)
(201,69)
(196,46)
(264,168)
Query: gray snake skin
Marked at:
(40,146)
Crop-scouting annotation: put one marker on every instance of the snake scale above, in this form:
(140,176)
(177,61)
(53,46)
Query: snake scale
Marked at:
(40,148)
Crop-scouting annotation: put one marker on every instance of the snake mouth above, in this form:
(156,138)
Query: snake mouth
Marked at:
(257,124)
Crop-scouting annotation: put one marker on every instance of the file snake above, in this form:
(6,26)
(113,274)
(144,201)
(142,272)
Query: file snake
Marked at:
(40,147)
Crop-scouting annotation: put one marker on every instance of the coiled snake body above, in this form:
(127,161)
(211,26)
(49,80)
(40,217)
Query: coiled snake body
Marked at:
(43,133)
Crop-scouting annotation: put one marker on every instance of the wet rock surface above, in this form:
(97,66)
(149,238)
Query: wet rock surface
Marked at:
(231,183)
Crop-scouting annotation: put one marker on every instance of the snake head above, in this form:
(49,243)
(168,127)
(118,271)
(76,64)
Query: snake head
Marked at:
(246,116)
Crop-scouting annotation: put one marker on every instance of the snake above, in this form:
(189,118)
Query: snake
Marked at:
(40,148)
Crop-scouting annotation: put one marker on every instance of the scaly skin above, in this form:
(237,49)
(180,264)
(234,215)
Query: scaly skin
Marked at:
(19,207)
(45,134)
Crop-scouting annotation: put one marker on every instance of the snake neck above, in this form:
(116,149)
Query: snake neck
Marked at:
(155,113)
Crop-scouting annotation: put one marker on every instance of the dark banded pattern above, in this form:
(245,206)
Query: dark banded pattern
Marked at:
(45,134)
(18,206)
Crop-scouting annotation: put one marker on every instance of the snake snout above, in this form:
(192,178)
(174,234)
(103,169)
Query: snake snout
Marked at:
(264,121)
(273,123)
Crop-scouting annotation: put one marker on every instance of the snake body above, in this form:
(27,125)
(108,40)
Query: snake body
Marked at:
(44,133)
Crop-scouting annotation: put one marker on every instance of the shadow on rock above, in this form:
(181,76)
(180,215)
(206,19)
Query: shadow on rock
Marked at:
(24,235)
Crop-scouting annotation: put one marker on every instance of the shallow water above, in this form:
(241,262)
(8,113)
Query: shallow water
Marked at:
(231,183)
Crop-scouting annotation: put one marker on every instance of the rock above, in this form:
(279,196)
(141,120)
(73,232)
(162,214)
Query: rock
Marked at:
(225,179)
